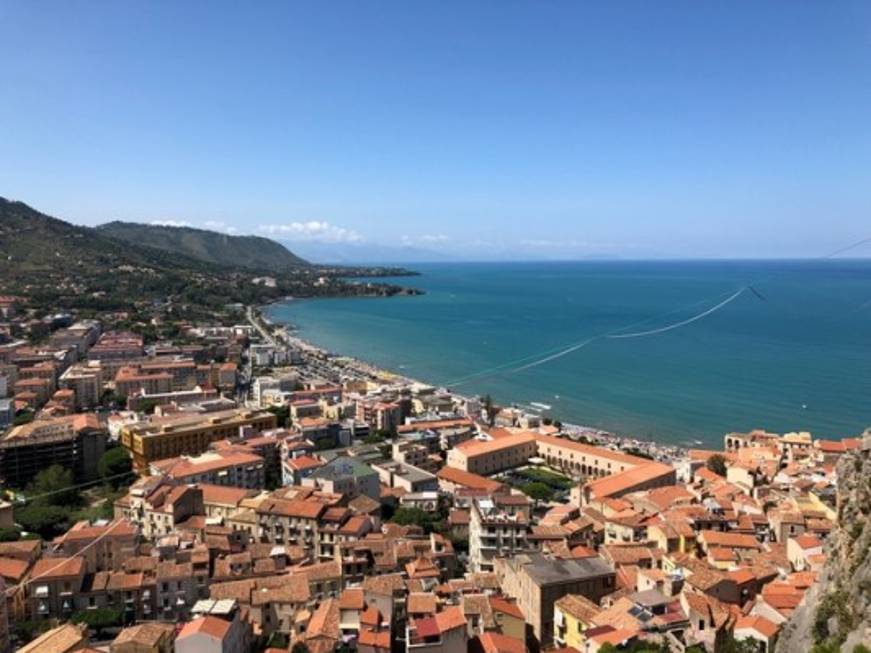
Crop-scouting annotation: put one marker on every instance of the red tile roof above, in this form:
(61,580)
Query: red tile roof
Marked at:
(208,625)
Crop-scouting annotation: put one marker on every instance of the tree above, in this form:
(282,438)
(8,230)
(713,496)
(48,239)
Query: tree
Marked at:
(490,410)
(147,405)
(9,535)
(47,521)
(717,464)
(732,645)
(100,618)
(54,486)
(406,516)
(538,491)
(373,438)
(114,462)
(27,631)
(282,415)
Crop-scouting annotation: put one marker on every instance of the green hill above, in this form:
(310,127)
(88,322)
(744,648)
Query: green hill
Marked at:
(56,266)
(250,252)
(33,243)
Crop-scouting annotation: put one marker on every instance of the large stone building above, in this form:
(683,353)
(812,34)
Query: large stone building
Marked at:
(189,433)
(492,456)
(537,581)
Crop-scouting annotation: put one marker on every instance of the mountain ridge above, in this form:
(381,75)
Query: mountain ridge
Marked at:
(250,252)
(54,265)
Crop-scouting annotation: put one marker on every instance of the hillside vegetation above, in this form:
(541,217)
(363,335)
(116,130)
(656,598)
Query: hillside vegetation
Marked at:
(250,252)
(57,266)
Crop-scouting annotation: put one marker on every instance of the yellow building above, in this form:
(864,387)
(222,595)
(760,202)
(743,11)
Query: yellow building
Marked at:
(573,614)
(191,434)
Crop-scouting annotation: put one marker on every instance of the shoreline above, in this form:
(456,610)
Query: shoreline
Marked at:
(284,331)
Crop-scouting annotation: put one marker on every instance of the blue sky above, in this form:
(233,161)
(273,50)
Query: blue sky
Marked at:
(484,129)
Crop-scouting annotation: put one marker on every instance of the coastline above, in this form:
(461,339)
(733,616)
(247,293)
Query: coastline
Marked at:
(284,331)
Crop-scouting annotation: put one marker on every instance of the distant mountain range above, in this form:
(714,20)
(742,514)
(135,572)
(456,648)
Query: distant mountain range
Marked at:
(250,252)
(364,253)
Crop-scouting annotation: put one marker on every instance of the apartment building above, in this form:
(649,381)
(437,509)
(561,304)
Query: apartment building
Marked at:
(104,547)
(116,345)
(189,433)
(35,390)
(86,381)
(73,441)
(442,632)
(498,526)
(289,521)
(132,380)
(234,466)
(56,585)
(157,505)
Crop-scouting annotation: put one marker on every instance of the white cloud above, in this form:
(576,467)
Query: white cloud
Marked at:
(313,230)
(170,223)
(426,239)
(217,225)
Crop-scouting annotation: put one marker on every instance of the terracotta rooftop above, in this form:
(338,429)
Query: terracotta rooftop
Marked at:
(493,642)
(760,624)
(214,627)
(625,481)
(49,568)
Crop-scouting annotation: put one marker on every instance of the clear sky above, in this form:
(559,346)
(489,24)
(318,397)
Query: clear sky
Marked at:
(483,128)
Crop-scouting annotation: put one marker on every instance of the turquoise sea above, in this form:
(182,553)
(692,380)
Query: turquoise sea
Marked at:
(798,358)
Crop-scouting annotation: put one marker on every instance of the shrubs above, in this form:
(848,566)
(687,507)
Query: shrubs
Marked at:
(835,604)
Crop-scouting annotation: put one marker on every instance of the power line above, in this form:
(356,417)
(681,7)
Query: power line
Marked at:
(677,325)
(28,499)
(558,352)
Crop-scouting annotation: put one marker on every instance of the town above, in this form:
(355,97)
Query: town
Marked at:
(234,488)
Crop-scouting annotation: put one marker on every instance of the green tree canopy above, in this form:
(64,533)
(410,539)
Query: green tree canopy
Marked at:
(9,534)
(282,415)
(538,491)
(717,464)
(114,462)
(47,521)
(99,618)
(406,516)
(54,486)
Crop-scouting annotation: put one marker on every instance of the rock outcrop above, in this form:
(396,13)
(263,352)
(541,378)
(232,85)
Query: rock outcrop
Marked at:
(835,614)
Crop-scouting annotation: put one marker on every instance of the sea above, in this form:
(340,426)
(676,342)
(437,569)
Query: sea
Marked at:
(789,352)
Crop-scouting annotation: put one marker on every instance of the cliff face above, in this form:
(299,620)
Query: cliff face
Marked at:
(837,610)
